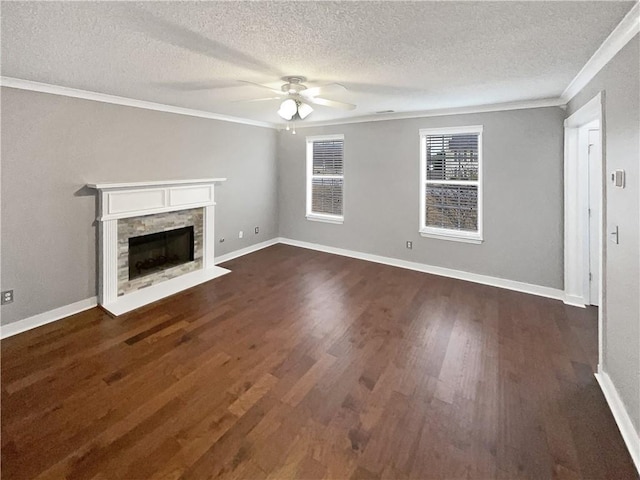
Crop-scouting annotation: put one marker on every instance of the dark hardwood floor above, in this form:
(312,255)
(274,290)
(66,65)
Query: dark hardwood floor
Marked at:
(301,364)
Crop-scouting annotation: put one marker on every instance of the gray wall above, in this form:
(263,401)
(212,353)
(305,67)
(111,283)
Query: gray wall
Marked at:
(620,82)
(523,199)
(53,145)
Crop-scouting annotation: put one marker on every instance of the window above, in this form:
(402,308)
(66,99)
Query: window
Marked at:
(325,178)
(451,183)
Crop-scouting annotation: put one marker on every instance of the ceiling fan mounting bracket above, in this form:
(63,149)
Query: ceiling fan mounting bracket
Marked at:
(294,84)
(294,79)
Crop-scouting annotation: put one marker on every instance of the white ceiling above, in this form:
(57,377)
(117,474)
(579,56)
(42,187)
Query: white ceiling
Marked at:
(401,56)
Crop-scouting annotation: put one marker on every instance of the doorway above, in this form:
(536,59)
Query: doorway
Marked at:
(584,210)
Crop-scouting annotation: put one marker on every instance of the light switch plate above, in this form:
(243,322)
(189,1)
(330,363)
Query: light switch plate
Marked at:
(618,178)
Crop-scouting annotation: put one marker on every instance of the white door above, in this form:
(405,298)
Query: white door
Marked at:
(595,198)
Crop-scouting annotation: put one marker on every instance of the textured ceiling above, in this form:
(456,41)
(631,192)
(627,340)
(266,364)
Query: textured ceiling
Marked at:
(402,56)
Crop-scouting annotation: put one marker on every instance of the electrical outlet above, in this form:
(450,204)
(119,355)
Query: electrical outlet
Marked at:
(221,239)
(257,230)
(409,244)
(7,296)
(240,234)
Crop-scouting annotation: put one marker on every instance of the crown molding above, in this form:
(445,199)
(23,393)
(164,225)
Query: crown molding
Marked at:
(128,102)
(494,107)
(628,28)
(131,102)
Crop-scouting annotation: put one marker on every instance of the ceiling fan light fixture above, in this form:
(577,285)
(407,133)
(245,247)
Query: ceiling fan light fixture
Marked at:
(296,99)
(288,109)
(304,110)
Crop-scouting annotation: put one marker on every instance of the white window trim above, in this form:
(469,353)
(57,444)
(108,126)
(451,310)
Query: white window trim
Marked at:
(314,216)
(444,233)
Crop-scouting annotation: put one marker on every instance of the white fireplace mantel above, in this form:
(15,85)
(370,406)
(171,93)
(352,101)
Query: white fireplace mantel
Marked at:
(125,200)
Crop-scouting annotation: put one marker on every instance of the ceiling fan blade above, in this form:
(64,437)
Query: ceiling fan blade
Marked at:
(257,99)
(323,89)
(264,87)
(332,103)
(195,85)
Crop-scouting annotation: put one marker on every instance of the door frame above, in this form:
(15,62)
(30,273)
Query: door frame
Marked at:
(595,201)
(576,213)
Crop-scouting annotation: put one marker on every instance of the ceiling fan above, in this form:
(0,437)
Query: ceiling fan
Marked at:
(298,98)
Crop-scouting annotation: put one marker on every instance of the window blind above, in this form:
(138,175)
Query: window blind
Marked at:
(327,157)
(326,196)
(452,157)
(327,177)
(452,164)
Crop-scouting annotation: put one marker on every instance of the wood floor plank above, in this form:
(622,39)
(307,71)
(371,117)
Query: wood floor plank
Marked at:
(305,365)
(308,381)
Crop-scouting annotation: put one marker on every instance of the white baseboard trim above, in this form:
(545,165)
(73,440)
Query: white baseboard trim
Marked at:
(541,291)
(548,292)
(630,436)
(59,313)
(245,251)
(47,317)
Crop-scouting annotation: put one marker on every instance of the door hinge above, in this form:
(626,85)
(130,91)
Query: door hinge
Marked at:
(590,276)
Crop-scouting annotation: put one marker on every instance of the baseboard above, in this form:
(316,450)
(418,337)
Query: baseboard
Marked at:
(630,435)
(47,317)
(245,251)
(59,313)
(548,292)
(541,291)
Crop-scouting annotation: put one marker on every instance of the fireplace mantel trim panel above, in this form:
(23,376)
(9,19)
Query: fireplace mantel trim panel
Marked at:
(124,200)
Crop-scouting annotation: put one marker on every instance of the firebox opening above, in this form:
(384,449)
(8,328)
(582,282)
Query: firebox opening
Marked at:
(158,251)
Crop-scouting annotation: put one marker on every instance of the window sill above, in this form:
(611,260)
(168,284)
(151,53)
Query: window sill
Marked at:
(476,239)
(326,219)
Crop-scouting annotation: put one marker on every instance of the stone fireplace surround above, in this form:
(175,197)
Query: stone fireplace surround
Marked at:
(133,209)
(147,224)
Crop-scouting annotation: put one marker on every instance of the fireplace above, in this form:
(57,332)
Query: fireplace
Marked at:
(156,238)
(158,251)
(158,247)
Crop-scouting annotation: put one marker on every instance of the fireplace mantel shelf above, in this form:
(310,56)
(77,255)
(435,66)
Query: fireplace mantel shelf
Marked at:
(123,200)
(156,183)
